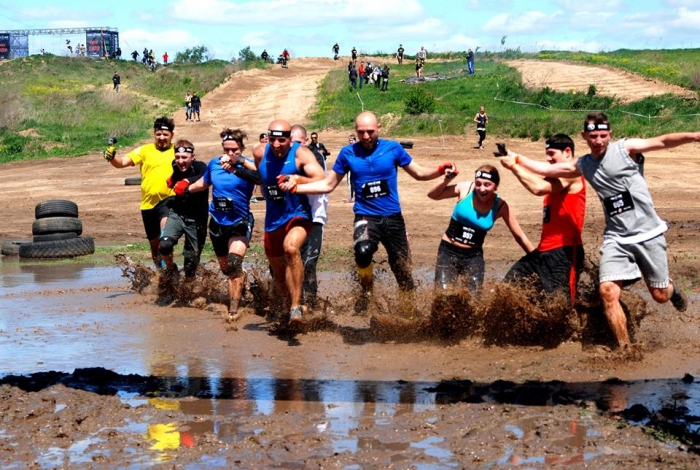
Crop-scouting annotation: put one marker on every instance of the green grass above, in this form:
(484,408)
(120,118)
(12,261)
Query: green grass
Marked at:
(54,106)
(64,107)
(495,86)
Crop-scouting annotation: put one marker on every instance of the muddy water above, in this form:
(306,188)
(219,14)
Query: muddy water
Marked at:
(201,392)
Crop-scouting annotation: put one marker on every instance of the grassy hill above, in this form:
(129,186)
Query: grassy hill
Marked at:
(54,106)
(61,107)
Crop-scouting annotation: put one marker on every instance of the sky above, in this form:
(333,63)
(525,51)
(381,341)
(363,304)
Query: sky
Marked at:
(309,28)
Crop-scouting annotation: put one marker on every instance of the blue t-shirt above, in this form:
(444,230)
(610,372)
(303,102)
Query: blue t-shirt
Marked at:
(281,207)
(230,193)
(373,175)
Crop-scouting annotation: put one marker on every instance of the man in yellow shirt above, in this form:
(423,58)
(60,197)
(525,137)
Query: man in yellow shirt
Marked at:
(155,161)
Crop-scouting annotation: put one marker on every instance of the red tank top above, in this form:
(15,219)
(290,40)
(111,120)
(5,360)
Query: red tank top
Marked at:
(562,219)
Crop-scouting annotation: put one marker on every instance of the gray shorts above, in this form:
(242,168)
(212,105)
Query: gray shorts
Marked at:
(647,259)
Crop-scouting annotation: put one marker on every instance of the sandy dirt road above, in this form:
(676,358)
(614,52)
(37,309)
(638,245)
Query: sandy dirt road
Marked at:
(109,210)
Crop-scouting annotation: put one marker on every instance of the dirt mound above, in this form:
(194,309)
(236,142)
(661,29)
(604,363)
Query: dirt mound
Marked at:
(565,76)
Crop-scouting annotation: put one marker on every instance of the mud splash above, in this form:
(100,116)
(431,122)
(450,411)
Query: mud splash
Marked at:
(503,314)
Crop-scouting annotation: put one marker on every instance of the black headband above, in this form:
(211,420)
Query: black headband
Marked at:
(184,149)
(487,176)
(559,146)
(596,126)
(272,133)
(228,137)
(162,128)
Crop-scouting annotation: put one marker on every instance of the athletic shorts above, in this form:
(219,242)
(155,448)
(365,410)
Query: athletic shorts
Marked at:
(552,268)
(221,234)
(274,241)
(456,266)
(629,263)
(152,217)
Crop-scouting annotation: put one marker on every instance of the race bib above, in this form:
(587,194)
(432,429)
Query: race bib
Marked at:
(374,189)
(274,193)
(470,236)
(619,203)
(222,204)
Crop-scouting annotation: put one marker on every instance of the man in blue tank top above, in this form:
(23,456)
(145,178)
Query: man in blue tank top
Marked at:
(634,245)
(373,164)
(288,219)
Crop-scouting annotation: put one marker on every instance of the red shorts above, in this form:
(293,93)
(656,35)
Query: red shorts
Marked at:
(274,241)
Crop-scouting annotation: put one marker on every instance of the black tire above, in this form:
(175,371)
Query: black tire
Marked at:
(57,225)
(132,181)
(11,247)
(79,246)
(407,144)
(56,208)
(50,237)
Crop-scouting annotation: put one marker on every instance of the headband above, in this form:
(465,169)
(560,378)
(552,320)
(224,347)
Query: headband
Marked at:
(272,133)
(184,149)
(487,176)
(163,128)
(228,137)
(559,146)
(596,126)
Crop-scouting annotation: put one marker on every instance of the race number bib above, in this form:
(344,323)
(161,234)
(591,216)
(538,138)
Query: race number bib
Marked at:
(470,236)
(222,204)
(274,193)
(374,189)
(619,203)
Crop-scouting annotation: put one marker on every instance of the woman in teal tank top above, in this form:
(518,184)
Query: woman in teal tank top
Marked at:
(460,260)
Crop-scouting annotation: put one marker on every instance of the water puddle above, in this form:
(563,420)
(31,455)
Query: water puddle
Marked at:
(58,325)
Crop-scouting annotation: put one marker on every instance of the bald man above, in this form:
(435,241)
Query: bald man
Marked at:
(373,164)
(288,218)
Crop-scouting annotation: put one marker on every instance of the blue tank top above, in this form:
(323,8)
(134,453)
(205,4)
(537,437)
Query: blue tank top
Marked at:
(469,227)
(281,207)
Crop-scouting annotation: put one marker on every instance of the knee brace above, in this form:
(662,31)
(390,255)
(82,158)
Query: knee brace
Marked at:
(364,250)
(234,265)
(166,246)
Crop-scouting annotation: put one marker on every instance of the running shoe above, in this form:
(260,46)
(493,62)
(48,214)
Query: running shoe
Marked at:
(296,315)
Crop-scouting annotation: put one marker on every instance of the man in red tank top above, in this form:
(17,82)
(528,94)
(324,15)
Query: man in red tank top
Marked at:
(558,259)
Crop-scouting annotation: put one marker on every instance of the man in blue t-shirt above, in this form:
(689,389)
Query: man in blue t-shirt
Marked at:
(288,219)
(373,164)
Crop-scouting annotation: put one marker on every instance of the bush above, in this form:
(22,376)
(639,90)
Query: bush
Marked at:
(419,101)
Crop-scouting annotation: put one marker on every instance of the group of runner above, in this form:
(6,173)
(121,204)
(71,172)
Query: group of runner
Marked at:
(291,173)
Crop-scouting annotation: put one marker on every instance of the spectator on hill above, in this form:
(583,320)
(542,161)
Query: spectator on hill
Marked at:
(165,59)
(264,56)
(419,68)
(422,55)
(400,53)
(352,75)
(470,61)
(336,50)
(196,106)
(188,106)
(385,78)
(116,81)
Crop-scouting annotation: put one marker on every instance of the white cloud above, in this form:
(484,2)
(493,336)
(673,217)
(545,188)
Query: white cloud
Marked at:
(527,22)
(171,40)
(296,12)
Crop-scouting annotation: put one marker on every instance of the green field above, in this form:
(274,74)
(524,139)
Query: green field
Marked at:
(64,107)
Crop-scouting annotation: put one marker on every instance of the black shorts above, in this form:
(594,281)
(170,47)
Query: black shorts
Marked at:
(457,267)
(152,217)
(221,234)
(552,268)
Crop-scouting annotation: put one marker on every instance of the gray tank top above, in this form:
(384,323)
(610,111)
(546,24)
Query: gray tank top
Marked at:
(629,211)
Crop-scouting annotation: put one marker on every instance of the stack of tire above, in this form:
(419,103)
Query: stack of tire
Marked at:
(57,232)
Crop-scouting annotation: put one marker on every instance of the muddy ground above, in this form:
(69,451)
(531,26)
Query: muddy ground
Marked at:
(348,391)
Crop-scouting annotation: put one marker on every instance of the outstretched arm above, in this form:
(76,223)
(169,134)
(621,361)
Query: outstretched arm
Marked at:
(556,170)
(536,184)
(665,141)
(425,174)
(323,186)
(514,227)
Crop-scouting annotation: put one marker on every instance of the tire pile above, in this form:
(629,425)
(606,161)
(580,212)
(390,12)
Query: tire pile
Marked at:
(56,233)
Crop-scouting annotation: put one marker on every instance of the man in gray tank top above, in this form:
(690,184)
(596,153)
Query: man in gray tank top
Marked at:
(634,245)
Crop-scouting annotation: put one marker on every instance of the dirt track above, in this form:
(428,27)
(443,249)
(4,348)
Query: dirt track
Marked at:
(251,100)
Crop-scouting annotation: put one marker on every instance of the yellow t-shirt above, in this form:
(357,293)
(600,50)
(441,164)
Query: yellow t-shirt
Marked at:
(156,168)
